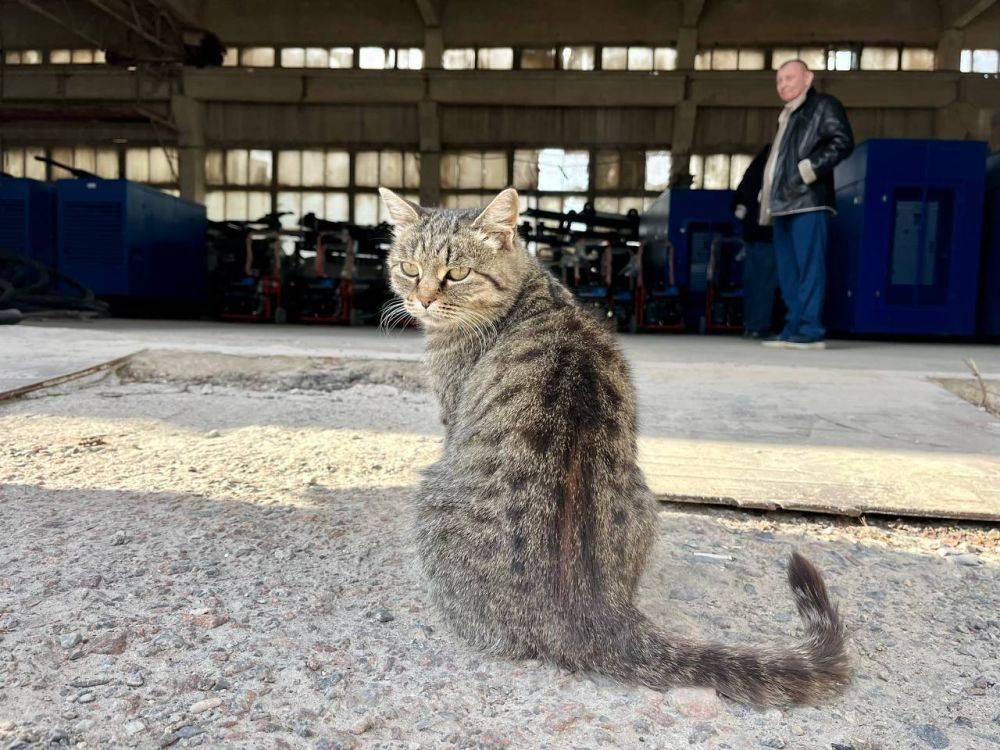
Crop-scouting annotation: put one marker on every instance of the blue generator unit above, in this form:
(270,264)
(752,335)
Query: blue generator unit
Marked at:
(28,219)
(680,233)
(132,244)
(989,297)
(904,255)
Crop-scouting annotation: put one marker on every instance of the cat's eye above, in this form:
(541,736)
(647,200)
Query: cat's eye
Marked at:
(458,274)
(409,269)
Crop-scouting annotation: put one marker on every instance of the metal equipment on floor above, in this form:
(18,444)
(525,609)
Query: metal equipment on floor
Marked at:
(136,246)
(681,234)
(249,269)
(905,244)
(594,254)
(28,219)
(345,281)
(989,294)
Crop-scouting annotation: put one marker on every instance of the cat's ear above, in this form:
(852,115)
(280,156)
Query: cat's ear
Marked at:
(403,212)
(500,217)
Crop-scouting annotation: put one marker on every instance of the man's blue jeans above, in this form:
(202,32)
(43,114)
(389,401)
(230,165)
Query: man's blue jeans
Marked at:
(800,249)
(760,279)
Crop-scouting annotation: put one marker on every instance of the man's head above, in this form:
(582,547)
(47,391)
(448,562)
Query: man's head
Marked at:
(793,78)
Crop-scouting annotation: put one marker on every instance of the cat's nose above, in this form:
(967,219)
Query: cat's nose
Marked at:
(425,301)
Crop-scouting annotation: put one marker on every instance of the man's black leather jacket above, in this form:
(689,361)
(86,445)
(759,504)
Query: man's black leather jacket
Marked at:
(818,131)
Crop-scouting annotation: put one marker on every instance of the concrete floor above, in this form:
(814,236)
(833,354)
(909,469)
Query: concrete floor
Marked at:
(861,427)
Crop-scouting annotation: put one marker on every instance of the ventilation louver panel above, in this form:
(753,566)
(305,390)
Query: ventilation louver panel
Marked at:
(12,228)
(92,231)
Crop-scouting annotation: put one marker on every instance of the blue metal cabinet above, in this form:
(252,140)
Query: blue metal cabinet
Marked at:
(904,255)
(989,298)
(127,240)
(28,219)
(678,232)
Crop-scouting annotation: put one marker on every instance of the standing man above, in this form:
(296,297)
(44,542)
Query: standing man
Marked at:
(760,275)
(797,197)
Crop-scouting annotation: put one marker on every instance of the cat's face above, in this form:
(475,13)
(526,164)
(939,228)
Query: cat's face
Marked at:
(455,268)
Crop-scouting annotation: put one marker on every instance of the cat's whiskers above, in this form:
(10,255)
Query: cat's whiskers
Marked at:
(393,313)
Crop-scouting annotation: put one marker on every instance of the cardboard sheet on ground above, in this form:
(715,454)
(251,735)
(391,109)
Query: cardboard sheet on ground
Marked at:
(831,441)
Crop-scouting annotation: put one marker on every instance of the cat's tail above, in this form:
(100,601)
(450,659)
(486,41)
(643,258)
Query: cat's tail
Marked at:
(815,668)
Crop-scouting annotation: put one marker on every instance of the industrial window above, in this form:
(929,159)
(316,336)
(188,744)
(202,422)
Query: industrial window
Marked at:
(607,169)
(472,170)
(23,57)
(314,168)
(60,56)
(393,169)
(154,166)
(295,57)
(718,171)
(880,58)
(231,58)
(376,58)
(813,57)
(100,161)
(980,61)
(20,162)
(841,58)
(538,59)
(577,58)
(257,57)
(657,170)
(917,58)
(559,170)
(495,58)
(410,58)
(638,58)
(730,59)
(458,59)
(248,182)
(622,204)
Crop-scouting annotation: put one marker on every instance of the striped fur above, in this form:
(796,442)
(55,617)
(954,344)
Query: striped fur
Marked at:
(534,526)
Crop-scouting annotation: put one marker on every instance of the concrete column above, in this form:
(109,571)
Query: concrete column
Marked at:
(433,47)
(682,143)
(687,47)
(949,50)
(430,153)
(188,114)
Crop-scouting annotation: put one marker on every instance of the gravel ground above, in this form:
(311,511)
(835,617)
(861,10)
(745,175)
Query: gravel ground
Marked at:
(207,550)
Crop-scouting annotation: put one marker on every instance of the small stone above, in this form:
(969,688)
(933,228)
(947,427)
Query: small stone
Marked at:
(86,682)
(362,725)
(57,736)
(6,725)
(185,732)
(696,703)
(210,620)
(85,698)
(384,615)
(933,736)
(969,560)
(134,680)
(775,742)
(206,705)
(212,434)
(119,539)
(111,645)
(68,640)
(84,725)
(134,727)
(750,589)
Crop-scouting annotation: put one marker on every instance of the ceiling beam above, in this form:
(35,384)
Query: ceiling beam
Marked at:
(430,12)
(958,15)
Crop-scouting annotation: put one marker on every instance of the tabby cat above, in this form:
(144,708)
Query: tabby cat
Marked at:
(534,525)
